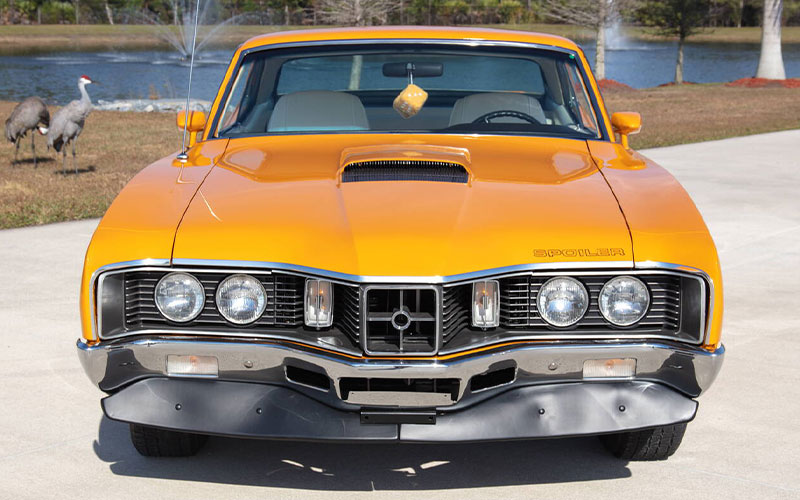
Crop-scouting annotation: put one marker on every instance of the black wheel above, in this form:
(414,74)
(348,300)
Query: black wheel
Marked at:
(650,444)
(152,442)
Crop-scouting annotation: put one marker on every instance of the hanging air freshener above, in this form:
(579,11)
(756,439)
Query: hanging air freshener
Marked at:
(410,101)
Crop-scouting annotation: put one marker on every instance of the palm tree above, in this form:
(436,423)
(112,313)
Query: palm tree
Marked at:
(770,65)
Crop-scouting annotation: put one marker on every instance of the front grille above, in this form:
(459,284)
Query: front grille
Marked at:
(407,320)
(347,310)
(405,170)
(518,304)
(401,320)
(456,313)
(284,302)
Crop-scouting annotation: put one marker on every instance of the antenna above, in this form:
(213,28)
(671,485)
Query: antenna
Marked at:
(183,156)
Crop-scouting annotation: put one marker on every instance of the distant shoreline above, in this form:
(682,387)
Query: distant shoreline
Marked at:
(37,39)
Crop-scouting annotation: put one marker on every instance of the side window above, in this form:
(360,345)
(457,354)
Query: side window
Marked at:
(579,103)
(232,108)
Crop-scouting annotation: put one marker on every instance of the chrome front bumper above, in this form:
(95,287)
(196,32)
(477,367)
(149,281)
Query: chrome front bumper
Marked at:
(115,364)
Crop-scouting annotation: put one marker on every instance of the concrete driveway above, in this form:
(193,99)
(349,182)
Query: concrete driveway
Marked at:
(745,442)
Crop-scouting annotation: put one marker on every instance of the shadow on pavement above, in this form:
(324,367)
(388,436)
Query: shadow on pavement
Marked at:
(366,467)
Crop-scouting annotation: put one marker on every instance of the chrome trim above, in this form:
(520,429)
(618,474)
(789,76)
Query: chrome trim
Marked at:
(213,131)
(350,279)
(544,269)
(364,320)
(107,268)
(114,364)
(708,314)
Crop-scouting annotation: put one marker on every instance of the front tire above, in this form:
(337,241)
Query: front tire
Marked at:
(152,442)
(658,443)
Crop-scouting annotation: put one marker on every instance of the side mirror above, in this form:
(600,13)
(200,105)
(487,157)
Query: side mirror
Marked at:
(197,122)
(625,124)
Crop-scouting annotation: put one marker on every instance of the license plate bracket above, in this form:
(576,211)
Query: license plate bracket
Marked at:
(369,417)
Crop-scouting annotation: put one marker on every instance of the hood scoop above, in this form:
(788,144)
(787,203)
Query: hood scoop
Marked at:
(405,170)
(405,163)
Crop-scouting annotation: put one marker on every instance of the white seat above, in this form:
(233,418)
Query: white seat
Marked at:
(315,110)
(467,109)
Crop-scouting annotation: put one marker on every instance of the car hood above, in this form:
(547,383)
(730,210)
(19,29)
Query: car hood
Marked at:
(527,201)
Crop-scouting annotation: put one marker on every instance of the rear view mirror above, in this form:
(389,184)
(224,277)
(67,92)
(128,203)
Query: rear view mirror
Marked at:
(418,70)
(625,124)
(196,124)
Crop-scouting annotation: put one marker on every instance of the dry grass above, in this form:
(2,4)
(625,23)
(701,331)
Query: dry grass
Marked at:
(115,146)
(694,113)
(112,149)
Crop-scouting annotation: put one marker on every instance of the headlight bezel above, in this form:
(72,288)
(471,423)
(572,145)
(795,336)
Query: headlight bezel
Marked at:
(260,308)
(195,313)
(586,300)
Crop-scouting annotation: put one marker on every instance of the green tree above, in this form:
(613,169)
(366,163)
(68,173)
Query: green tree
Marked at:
(681,18)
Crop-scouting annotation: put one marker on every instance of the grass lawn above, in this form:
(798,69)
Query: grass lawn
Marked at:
(115,146)
(18,39)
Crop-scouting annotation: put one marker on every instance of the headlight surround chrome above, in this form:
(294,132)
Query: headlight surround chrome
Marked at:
(624,300)
(562,301)
(241,299)
(179,297)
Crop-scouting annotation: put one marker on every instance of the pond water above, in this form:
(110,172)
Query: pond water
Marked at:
(136,75)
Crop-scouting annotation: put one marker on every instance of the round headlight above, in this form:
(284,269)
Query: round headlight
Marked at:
(562,301)
(241,299)
(180,297)
(624,300)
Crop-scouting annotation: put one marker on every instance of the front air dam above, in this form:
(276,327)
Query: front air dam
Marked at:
(265,411)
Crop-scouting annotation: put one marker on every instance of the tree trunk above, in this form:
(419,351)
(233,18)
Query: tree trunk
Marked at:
(109,15)
(600,53)
(359,14)
(175,12)
(679,64)
(770,65)
(741,14)
(430,9)
(286,14)
(77,12)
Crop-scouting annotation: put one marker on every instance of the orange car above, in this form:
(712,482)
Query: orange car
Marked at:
(413,234)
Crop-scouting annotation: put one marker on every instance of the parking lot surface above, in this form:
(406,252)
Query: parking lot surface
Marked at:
(744,443)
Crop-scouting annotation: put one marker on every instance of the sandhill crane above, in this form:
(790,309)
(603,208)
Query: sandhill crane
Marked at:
(67,124)
(27,116)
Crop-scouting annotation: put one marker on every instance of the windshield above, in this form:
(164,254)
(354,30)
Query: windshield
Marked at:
(407,88)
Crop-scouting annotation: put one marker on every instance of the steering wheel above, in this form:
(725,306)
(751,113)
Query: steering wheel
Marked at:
(505,113)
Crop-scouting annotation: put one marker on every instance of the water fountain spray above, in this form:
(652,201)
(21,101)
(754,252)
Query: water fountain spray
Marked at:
(183,156)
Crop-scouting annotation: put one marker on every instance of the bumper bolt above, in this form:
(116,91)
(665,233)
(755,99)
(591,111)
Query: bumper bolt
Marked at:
(248,364)
(178,407)
(552,366)
(621,407)
(541,411)
(259,411)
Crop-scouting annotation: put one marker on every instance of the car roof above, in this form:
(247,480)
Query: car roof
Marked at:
(410,33)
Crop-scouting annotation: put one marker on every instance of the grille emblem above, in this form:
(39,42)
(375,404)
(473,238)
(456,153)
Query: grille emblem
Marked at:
(401,320)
